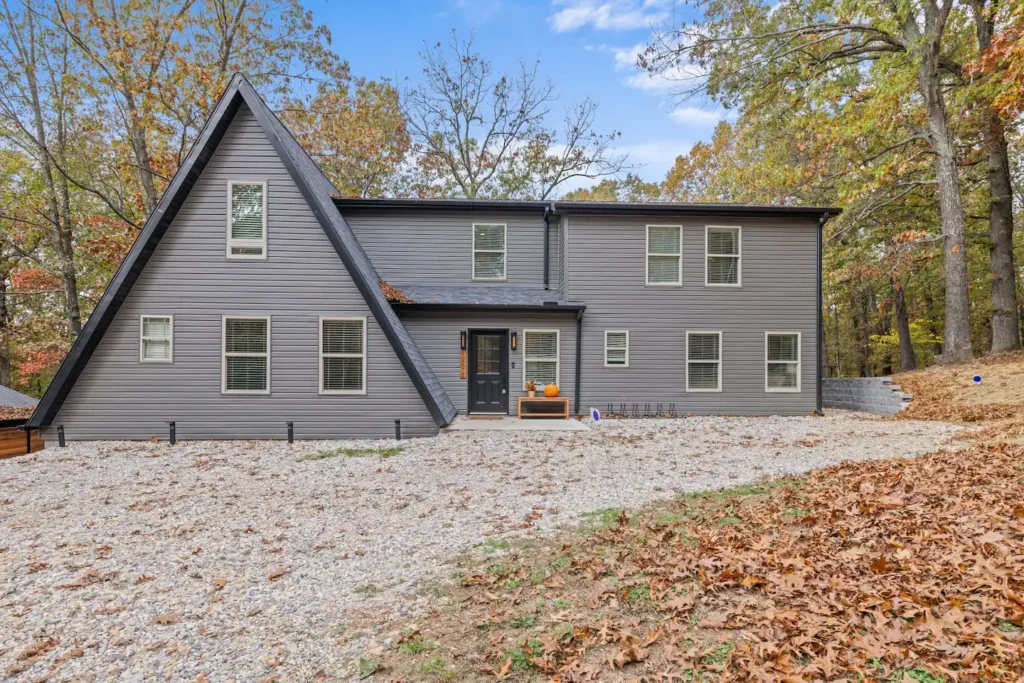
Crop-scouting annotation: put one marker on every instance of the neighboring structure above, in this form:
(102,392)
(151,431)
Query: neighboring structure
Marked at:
(255,297)
(9,398)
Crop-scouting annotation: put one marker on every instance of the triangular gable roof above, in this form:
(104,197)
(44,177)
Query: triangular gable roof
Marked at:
(317,191)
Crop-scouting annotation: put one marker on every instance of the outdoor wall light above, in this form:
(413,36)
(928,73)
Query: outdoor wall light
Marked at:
(514,337)
(462,340)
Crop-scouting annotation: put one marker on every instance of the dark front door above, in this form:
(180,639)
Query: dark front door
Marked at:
(488,372)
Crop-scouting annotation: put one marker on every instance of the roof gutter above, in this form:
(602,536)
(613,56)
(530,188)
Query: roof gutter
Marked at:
(548,210)
(820,340)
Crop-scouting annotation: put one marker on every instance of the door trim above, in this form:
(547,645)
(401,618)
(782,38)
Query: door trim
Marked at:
(471,369)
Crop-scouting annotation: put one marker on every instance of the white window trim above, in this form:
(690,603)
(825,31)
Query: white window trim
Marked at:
(738,255)
(504,253)
(721,350)
(249,244)
(606,347)
(143,338)
(558,355)
(224,355)
(798,362)
(363,355)
(648,255)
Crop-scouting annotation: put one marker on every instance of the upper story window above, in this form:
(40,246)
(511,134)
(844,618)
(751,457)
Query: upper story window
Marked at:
(489,251)
(343,355)
(245,366)
(156,339)
(247,220)
(664,255)
(722,257)
(782,359)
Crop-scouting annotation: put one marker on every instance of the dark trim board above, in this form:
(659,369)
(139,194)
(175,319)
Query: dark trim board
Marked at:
(560,308)
(315,188)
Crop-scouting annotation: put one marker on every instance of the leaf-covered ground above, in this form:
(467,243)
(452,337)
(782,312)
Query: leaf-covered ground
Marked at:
(902,570)
(949,393)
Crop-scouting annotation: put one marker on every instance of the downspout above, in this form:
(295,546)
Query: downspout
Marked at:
(547,231)
(579,352)
(818,337)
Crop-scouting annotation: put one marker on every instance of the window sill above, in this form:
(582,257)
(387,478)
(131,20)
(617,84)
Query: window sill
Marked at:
(244,393)
(154,361)
(324,392)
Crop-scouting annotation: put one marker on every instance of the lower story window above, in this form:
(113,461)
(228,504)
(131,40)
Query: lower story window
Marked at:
(246,361)
(703,361)
(540,357)
(343,355)
(782,361)
(616,348)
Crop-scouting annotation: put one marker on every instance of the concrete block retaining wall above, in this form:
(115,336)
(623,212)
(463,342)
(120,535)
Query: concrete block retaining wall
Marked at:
(876,395)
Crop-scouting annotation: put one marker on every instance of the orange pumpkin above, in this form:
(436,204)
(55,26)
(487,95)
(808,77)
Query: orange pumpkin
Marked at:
(551,390)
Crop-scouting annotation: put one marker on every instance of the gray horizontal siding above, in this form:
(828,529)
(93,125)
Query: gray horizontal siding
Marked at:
(188,276)
(436,248)
(607,257)
(437,335)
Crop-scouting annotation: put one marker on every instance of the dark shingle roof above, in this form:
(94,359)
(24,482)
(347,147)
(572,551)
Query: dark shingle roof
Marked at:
(315,188)
(425,296)
(10,397)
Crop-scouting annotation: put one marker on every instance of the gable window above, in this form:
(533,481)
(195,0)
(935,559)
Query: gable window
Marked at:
(782,361)
(616,348)
(722,257)
(703,361)
(664,255)
(342,355)
(247,220)
(540,357)
(245,367)
(156,339)
(489,251)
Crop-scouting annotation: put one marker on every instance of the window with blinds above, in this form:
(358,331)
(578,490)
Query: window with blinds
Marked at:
(489,251)
(703,361)
(343,355)
(247,220)
(616,348)
(722,256)
(540,357)
(246,351)
(782,361)
(156,339)
(664,255)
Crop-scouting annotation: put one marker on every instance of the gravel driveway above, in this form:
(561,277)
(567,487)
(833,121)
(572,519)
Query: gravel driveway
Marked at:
(243,560)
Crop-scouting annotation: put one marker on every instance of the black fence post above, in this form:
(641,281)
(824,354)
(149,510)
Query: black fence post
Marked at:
(174,438)
(60,436)
(398,430)
(291,432)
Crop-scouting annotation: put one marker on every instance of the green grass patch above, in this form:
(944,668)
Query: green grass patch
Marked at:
(369,589)
(599,520)
(521,622)
(415,646)
(367,668)
(522,655)
(561,562)
(495,545)
(382,453)
(438,669)
(917,674)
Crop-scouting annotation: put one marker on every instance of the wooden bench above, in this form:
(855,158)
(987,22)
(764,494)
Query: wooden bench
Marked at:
(543,406)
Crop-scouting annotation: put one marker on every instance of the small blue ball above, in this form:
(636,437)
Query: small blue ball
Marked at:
(977,379)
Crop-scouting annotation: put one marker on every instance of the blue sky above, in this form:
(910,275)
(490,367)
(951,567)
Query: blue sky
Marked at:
(586,47)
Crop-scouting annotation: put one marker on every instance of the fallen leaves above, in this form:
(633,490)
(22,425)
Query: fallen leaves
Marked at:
(885,570)
(167,619)
(90,577)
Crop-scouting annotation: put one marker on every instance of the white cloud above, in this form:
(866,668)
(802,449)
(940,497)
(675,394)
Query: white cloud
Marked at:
(692,116)
(608,15)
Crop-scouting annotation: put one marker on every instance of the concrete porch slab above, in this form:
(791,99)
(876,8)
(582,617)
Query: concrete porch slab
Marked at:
(502,423)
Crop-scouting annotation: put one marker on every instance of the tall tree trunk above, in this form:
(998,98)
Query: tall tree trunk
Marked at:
(908,359)
(60,232)
(865,335)
(927,51)
(1005,323)
(5,342)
